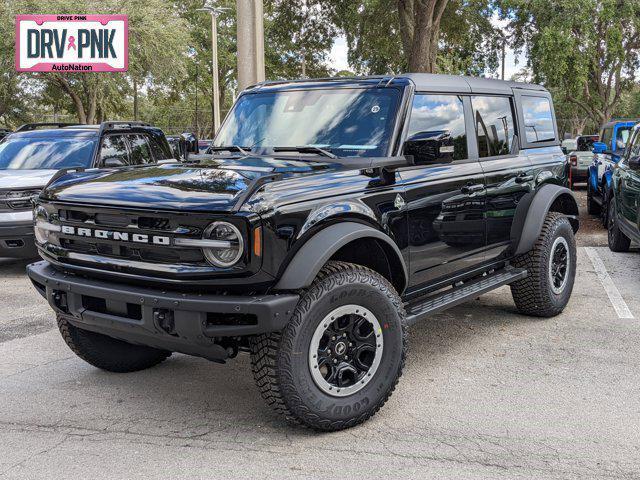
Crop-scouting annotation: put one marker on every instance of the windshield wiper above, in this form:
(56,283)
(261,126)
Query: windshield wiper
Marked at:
(229,148)
(306,149)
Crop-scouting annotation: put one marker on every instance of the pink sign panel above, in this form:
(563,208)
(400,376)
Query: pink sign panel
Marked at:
(72,43)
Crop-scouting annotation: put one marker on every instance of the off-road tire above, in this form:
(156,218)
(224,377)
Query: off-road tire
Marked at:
(618,241)
(109,353)
(280,360)
(534,294)
(592,207)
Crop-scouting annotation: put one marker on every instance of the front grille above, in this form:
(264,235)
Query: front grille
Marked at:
(17,199)
(151,224)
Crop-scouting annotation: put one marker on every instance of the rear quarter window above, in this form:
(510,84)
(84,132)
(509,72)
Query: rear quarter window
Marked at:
(538,120)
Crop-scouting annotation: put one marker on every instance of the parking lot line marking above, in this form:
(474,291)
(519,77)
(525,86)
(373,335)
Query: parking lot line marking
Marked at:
(618,303)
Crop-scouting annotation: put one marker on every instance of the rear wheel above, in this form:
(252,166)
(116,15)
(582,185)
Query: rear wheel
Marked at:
(618,241)
(551,267)
(340,357)
(108,353)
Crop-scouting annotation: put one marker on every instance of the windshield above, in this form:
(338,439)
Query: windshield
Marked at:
(45,153)
(346,122)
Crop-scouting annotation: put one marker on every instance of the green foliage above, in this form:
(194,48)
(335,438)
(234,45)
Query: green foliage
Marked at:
(587,50)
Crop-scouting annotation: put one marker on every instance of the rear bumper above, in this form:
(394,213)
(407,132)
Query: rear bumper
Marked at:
(17,240)
(179,322)
(579,174)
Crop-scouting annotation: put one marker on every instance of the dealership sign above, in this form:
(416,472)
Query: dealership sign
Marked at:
(72,43)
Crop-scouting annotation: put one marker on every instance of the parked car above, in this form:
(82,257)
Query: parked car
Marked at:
(624,201)
(579,151)
(607,152)
(31,156)
(308,237)
(184,144)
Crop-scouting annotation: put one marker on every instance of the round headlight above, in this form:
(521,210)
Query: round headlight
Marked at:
(228,255)
(40,217)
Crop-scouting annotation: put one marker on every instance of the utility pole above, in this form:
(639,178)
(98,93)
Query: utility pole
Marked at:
(215,12)
(504,53)
(250,42)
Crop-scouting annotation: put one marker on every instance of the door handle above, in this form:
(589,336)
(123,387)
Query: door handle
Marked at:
(468,189)
(523,177)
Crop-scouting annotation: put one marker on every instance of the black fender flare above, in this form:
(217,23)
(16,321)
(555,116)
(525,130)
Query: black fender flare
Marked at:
(314,254)
(532,210)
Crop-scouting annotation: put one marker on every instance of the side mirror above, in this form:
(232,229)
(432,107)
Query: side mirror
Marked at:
(599,147)
(430,147)
(113,162)
(564,150)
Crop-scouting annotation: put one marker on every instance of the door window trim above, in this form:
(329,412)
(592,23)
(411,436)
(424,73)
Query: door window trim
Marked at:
(524,144)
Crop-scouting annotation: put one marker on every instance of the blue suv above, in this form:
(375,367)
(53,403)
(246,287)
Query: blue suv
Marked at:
(607,152)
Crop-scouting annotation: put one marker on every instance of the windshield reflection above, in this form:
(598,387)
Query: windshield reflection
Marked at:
(346,122)
(45,153)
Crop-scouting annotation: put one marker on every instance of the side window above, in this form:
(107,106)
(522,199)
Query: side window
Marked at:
(634,145)
(606,136)
(436,129)
(538,121)
(622,137)
(140,150)
(113,151)
(494,125)
(158,152)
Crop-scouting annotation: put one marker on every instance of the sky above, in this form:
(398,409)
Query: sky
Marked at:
(338,54)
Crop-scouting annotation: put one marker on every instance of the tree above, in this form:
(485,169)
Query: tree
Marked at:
(453,36)
(586,49)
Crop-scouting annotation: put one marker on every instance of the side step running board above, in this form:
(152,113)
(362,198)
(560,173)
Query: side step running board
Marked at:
(456,295)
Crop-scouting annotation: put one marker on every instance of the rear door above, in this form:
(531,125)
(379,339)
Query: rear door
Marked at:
(508,171)
(445,191)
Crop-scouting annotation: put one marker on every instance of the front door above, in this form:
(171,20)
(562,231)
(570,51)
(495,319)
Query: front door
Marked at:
(445,191)
(630,186)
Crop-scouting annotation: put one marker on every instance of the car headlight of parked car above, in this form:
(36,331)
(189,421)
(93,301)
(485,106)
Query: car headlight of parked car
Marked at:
(42,226)
(221,243)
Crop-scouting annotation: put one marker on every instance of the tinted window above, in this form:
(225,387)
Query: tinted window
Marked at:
(634,146)
(494,125)
(438,122)
(159,152)
(607,135)
(538,121)
(114,151)
(140,150)
(345,121)
(622,137)
(45,153)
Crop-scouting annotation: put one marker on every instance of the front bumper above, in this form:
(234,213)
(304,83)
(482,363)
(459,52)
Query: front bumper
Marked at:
(174,321)
(16,235)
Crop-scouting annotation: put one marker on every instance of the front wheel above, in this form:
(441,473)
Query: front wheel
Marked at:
(340,357)
(109,353)
(551,265)
(618,241)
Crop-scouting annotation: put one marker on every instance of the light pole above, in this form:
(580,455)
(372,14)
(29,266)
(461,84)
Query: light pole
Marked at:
(214,11)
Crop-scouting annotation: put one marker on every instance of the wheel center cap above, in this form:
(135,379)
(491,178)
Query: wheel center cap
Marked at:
(340,348)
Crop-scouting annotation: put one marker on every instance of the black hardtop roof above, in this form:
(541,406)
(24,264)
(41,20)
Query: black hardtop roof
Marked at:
(422,81)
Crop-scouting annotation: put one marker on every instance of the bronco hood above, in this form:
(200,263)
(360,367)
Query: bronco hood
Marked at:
(209,185)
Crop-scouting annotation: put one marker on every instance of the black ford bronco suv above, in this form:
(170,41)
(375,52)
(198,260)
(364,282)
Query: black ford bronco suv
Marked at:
(331,215)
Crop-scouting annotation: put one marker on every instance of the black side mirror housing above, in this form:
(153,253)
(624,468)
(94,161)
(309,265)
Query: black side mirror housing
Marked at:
(430,147)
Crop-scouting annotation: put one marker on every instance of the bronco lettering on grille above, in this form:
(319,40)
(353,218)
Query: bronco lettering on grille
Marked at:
(117,236)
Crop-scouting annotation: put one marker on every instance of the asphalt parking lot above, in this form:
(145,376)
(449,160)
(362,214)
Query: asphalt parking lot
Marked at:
(487,393)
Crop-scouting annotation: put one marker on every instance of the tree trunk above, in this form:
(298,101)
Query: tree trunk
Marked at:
(135,99)
(420,32)
(75,98)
